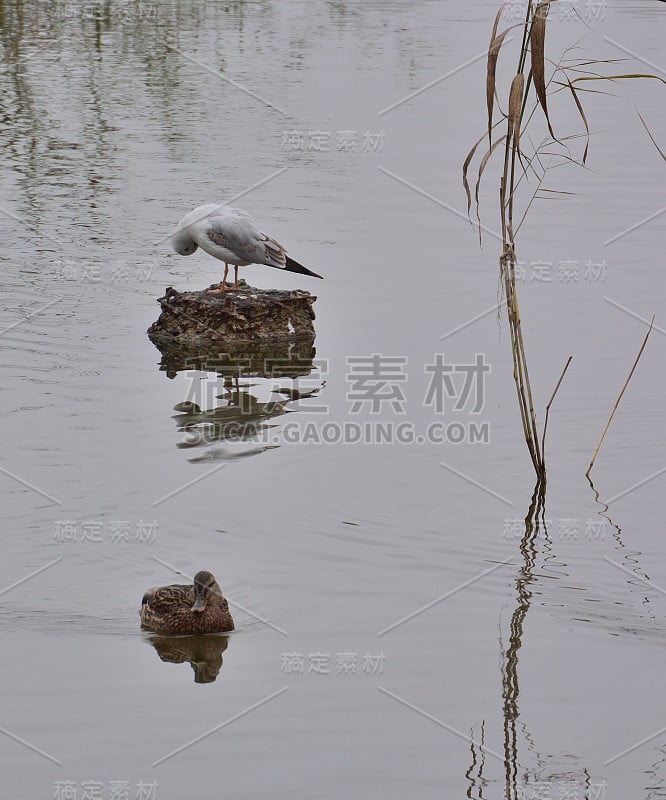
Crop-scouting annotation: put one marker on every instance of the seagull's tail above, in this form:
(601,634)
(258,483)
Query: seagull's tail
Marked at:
(293,266)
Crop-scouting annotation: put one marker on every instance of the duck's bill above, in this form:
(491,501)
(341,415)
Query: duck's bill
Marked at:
(199,604)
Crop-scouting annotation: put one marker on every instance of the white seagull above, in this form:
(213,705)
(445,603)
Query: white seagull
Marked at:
(232,236)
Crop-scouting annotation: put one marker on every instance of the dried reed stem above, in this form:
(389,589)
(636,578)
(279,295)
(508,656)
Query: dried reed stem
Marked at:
(550,402)
(529,86)
(619,397)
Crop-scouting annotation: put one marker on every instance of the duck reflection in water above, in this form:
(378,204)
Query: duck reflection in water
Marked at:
(204,653)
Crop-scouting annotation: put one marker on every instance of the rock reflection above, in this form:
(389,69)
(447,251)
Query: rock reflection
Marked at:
(280,359)
(204,653)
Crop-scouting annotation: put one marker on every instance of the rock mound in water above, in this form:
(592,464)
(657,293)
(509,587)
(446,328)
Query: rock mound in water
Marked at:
(237,316)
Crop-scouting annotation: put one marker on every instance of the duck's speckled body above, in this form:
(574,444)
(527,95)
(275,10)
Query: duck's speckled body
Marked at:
(185,610)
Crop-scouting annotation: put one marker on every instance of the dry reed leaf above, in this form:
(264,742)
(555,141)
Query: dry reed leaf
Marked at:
(579,106)
(537,52)
(618,77)
(493,53)
(466,164)
(557,191)
(482,166)
(563,86)
(660,151)
(483,163)
(515,105)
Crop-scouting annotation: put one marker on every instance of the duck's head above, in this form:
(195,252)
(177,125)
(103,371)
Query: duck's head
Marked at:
(205,587)
(183,243)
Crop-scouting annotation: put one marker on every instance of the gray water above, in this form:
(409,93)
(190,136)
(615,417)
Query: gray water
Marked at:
(528,661)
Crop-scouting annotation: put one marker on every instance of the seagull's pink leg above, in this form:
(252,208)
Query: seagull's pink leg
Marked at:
(223,286)
(235,276)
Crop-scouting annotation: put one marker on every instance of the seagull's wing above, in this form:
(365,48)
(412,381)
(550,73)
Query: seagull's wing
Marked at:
(235,231)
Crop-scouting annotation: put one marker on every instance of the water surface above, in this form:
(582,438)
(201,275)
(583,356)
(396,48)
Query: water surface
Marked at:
(542,659)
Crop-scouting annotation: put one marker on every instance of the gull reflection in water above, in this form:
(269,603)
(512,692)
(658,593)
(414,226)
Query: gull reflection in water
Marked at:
(221,407)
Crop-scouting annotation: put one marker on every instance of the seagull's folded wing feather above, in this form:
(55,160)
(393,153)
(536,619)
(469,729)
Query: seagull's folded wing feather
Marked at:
(274,252)
(236,232)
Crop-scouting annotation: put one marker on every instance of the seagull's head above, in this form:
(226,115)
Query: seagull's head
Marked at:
(183,243)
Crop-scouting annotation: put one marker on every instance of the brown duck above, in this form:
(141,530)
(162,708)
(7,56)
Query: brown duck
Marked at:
(186,610)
